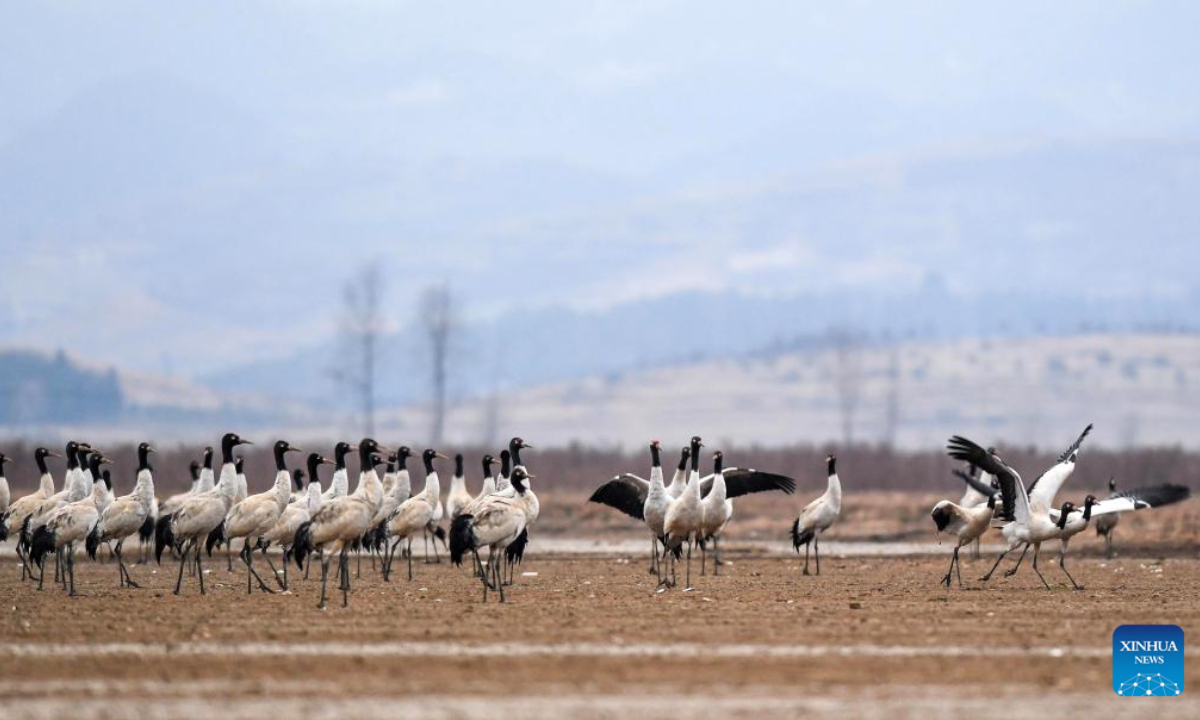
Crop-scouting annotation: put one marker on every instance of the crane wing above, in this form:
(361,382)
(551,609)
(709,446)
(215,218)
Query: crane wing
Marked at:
(1015,502)
(624,492)
(743,481)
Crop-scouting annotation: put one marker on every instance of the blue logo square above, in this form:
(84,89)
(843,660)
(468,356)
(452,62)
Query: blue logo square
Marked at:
(1147,661)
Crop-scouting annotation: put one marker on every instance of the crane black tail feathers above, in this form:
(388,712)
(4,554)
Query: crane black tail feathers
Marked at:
(440,533)
(24,535)
(462,540)
(302,544)
(146,531)
(215,538)
(677,551)
(3,526)
(164,537)
(800,536)
(515,552)
(92,542)
(41,543)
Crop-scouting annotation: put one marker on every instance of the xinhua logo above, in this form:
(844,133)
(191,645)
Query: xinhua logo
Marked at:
(1148,661)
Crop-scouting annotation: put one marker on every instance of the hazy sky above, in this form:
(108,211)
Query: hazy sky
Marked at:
(191,187)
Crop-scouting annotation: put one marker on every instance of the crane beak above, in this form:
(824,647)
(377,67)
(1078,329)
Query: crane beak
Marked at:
(438,454)
(245,442)
(53,454)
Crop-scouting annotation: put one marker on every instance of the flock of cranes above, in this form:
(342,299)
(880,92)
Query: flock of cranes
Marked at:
(1027,516)
(377,517)
(383,516)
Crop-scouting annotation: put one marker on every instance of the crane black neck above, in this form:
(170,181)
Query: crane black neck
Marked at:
(39,457)
(487,467)
(514,450)
(683,459)
(655,461)
(280,463)
(227,446)
(832,466)
(107,479)
(402,459)
(72,459)
(428,458)
(314,460)
(194,468)
(208,456)
(143,458)
(339,456)
(94,467)
(695,456)
(505,464)
(718,464)
(458,465)
(365,449)
(81,456)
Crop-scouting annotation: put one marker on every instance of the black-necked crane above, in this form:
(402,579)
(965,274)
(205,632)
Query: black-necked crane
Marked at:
(339,484)
(415,513)
(494,522)
(818,516)
(489,480)
(685,517)
(251,518)
(19,512)
(718,491)
(645,500)
(1026,519)
(76,486)
(283,533)
(67,525)
(125,516)
(200,514)
(401,492)
(515,551)
(966,523)
(679,479)
(341,521)
(1144,498)
(458,497)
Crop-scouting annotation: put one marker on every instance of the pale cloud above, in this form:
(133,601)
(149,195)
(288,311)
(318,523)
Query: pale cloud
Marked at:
(423,92)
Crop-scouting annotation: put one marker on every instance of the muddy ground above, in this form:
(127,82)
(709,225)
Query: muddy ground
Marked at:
(590,636)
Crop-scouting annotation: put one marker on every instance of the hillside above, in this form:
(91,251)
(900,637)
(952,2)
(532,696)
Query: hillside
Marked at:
(1138,389)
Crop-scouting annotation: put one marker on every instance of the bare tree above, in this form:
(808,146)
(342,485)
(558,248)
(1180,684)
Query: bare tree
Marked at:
(847,377)
(437,315)
(891,420)
(360,328)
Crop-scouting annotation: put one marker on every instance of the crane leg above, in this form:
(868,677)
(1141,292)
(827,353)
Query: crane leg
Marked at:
(1062,563)
(1015,568)
(806,549)
(346,571)
(688,577)
(1037,549)
(275,572)
(119,552)
(703,555)
(69,569)
(987,577)
(199,565)
(950,571)
(499,578)
(957,567)
(817,552)
(717,561)
(410,558)
(975,549)
(179,581)
(1108,551)
(321,604)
